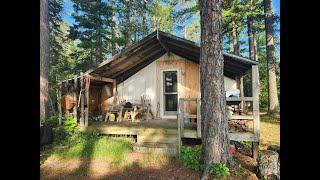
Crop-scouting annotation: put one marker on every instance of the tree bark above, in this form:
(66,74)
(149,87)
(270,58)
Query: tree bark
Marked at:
(215,137)
(252,34)
(114,30)
(44,58)
(235,38)
(272,81)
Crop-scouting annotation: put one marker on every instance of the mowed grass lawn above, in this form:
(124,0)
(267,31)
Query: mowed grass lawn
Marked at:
(269,131)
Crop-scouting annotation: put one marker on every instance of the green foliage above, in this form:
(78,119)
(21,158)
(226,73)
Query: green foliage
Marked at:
(247,144)
(190,158)
(70,125)
(59,134)
(219,170)
(52,121)
(90,145)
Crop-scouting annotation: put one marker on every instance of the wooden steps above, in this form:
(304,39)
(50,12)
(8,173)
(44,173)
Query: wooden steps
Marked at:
(159,142)
(157,148)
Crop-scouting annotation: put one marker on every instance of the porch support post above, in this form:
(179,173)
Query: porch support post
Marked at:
(239,80)
(255,109)
(75,85)
(87,86)
(81,101)
(114,91)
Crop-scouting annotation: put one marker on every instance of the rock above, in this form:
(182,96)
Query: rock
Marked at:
(274,148)
(268,165)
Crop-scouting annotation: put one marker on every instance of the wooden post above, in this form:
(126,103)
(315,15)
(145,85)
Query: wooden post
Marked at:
(239,80)
(87,86)
(59,103)
(114,91)
(75,99)
(81,101)
(198,118)
(255,110)
(180,119)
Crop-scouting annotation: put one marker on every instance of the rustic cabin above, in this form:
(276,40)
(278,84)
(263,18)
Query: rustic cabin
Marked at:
(151,90)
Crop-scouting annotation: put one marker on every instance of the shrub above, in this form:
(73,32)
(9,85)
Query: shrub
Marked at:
(219,170)
(52,121)
(70,125)
(247,144)
(190,158)
(59,134)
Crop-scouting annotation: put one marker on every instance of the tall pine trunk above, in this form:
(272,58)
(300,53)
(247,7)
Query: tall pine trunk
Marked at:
(235,38)
(44,58)
(114,30)
(252,34)
(272,81)
(215,137)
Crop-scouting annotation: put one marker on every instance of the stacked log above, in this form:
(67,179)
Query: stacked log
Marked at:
(238,125)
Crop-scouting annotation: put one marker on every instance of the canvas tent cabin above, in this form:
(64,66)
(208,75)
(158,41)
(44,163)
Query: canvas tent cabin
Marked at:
(164,68)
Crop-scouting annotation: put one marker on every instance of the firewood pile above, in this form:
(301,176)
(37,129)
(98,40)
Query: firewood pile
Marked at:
(238,125)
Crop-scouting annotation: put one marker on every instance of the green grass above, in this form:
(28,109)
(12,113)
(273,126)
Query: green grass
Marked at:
(89,146)
(269,131)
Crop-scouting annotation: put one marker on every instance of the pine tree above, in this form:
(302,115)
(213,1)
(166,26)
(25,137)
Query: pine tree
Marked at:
(92,27)
(272,79)
(44,58)
(215,137)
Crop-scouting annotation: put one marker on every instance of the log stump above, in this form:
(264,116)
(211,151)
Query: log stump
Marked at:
(268,165)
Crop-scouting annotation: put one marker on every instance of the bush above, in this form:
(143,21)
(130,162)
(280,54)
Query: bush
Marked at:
(52,121)
(70,125)
(59,134)
(190,158)
(219,170)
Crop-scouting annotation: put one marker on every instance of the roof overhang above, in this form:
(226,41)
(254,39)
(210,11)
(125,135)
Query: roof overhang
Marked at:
(139,55)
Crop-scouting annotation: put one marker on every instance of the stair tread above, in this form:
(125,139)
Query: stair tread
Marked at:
(157,145)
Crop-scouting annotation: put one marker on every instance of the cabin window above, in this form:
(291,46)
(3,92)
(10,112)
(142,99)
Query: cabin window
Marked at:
(170,92)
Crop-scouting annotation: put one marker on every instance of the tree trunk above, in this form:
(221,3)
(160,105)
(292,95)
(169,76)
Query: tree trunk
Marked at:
(273,93)
(114,30)
(235,38)
(128,24)
(44,58)
(215,137)
(252,35)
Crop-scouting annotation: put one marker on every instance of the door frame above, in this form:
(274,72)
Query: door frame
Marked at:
(162,90)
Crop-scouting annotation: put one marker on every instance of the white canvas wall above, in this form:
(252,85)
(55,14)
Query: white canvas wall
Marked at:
(141,83)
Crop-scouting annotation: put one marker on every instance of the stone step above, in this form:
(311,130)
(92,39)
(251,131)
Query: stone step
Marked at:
(157,148)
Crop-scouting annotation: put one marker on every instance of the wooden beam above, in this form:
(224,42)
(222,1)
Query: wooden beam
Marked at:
(180,121)
(82,101)
(99,78)
(75,85)
(199,117)
(241,117)
(255,95)
(123,53)
(87,86)
(239,99)
(240,136)
(148,59)
(114,91)
(162,43)
(255,109)
(132,62)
